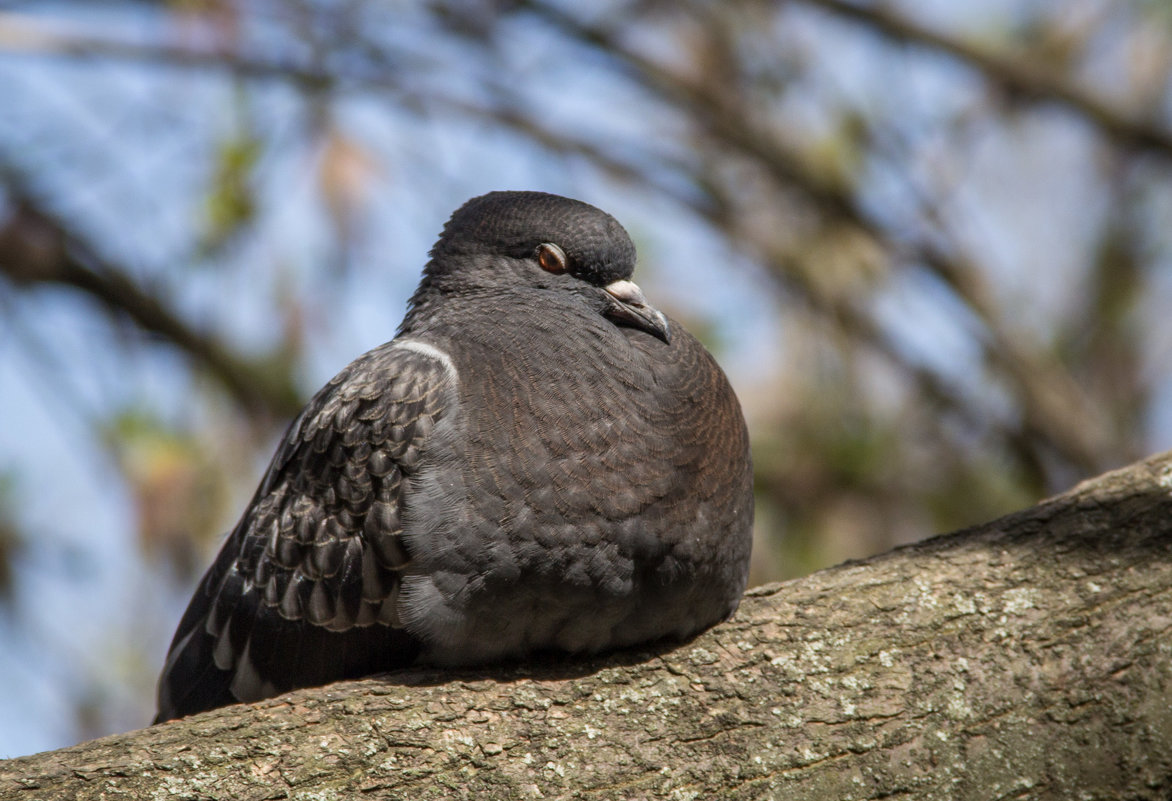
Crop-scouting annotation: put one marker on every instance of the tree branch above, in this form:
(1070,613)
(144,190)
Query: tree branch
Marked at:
(1013,72)
(24,33)
(1025,658)
(36,248)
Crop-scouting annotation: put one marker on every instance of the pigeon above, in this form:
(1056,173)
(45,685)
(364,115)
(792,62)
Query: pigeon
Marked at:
(540,461)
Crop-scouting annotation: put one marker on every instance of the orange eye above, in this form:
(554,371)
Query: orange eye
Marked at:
(551,258)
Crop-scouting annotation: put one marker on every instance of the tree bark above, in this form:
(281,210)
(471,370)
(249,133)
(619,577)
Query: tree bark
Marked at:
(1026,658)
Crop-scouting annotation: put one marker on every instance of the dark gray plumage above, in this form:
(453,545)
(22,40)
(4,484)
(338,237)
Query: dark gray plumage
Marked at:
(538,461)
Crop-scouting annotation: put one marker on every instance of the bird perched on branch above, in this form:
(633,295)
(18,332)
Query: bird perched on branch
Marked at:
(539,461)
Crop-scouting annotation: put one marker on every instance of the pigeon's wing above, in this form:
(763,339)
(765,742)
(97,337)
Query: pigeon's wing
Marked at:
(305,589)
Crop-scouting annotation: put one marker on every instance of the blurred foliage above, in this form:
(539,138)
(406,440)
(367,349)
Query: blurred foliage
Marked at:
(230,204)
(930,241)
(180,498)
(346,175)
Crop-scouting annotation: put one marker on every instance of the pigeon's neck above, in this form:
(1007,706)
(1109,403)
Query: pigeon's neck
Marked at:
(419,309)
(434,295)
(445,287)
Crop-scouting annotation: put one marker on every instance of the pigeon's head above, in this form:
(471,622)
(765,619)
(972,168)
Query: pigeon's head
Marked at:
(544,241)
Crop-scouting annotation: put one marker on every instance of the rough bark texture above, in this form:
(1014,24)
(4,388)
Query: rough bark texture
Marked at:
(1027,658)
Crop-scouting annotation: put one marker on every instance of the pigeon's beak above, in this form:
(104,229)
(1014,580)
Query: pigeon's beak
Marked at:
(630,307)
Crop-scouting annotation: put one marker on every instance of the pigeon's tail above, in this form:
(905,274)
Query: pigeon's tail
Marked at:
(232,647)
(190,680)
(271,657)
(193,673)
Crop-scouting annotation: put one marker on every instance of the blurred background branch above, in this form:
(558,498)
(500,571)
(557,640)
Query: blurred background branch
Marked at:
(928,241)
(35,248)
(1026,74)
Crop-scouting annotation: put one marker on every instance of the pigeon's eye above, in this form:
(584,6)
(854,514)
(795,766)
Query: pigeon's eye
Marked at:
(551,258)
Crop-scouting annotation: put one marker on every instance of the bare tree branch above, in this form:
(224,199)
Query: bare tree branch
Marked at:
(1014,72)
(36,248)
(22,33)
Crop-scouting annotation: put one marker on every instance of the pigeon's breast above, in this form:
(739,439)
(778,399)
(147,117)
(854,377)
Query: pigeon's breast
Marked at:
(597,470)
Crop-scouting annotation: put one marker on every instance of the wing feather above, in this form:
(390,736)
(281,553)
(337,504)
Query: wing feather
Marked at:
(305,589)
